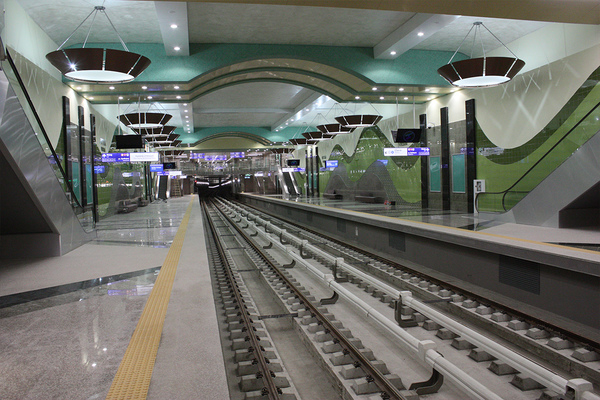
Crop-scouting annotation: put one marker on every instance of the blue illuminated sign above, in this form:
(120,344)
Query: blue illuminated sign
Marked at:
(384,162)
(99,169)
(156,168)
(115,157)
(331,164)
(417,151)
(196,156)
(218,157)
(237,154)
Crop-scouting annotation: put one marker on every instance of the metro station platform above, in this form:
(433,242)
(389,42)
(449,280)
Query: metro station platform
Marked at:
(72,317)
(585,238)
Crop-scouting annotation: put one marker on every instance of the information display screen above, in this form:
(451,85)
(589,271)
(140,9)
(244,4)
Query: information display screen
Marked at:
(99,169)
(237,154)
(331,164)
(197,156)
(156,168)
(142,157)
(217,157)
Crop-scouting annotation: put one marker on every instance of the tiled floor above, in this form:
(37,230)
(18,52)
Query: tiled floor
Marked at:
(64,331)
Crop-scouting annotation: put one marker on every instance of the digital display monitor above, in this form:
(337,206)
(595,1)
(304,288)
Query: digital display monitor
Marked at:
(99,169)
(156,168)
(331,163)
(408,135)
(142,157)
(115,157)
(293,162)
(129,142)
(169,165)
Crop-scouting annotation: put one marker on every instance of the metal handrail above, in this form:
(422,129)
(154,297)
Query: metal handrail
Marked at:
(505,192)
(43,130)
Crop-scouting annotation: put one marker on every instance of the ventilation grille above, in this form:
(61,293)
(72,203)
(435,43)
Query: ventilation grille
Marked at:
(522,274)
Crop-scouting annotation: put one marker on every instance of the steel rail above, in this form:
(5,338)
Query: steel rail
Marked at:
(378,378)
(533,320)
(272,390)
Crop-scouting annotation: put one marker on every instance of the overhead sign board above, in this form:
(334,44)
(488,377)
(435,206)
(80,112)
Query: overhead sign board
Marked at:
(143,157)
(405,151)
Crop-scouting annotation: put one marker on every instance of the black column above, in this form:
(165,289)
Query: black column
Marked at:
(424,163)
(471,145)
(317,171)
(93,162)
(309,172)
(82,155)
(445,161)
(66,112)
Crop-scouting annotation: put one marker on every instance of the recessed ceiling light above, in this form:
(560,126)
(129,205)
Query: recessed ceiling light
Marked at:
(374,88)
(406,98)
(176,87)
(392,53)
(176,48)
(78,88)
(90,98)
(185,110)
(173,26)
(286,123)
(430,98)
(381,98)
(144,87)
(401,89)
(292,120)
(120,97)
(184,104)
(308,109)
(187,116)
(420,34)
(357,97)
(149,97)
(427,90)
(111,87)
(178,97)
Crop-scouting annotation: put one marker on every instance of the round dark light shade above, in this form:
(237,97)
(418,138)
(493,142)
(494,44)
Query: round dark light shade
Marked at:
(317,135)
(298,141)
(94,65)
(358,121)
(334,129)
(146,120)
(481,72)
(151,132)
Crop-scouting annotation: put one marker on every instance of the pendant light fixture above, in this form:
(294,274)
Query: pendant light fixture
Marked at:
(97,65)
(317,136)
(155,117)
(334,129)
(482,71)
(354,121)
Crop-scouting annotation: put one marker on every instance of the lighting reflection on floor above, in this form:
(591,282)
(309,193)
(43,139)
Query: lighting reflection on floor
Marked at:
(53,344)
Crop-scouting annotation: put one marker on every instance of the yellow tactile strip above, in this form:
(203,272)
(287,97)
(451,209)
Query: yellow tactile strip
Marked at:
(133,376)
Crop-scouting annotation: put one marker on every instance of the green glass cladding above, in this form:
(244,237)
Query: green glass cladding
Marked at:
(367,172)
(512,173)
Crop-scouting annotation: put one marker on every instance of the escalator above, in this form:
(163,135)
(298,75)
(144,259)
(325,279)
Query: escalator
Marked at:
(40,213)
(560,191)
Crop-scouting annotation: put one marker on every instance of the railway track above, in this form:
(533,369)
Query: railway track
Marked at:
(421,348)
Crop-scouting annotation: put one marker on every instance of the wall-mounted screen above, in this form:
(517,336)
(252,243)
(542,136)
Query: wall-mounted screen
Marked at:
(331,163)
(293,162)
(99,169)
(156,168)
(407,135)
(169,165)
(129,142)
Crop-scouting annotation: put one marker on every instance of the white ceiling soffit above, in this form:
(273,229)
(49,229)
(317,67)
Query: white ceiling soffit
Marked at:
(411,33)
(134,20)
(294,25)
(186,112)
(507,30)
(173,22)
(298,110)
